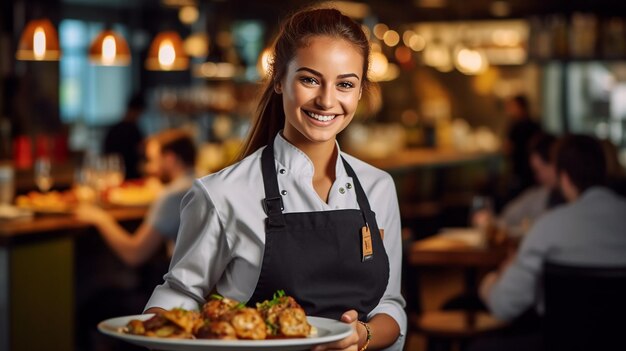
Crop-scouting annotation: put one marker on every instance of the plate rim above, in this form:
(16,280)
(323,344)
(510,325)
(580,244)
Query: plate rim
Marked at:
(106,328)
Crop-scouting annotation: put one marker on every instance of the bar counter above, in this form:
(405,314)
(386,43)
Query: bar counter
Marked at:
(413,158)
(37,278)
(47,226)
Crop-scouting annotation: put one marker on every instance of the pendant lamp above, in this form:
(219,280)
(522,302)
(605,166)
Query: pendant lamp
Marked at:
(39,42)
(109,49)
(167,53)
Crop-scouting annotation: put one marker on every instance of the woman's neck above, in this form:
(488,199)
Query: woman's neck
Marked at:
(324,158)
(323,155)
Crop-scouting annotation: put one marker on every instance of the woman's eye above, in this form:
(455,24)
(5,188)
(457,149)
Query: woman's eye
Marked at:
(308,80)
(346,85)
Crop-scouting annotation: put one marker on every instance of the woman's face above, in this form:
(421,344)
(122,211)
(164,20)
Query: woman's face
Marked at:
(321,90)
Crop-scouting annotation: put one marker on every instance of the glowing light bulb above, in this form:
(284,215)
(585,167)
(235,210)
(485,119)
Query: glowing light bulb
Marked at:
(391,38)
(109,50)
(39,43)
(167,55)
(471,61)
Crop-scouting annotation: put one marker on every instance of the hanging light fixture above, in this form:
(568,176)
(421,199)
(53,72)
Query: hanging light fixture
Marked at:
(109,49)
(39,42)
(166,53)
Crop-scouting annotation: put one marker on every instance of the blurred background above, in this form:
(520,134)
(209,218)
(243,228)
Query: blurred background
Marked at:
(71,71)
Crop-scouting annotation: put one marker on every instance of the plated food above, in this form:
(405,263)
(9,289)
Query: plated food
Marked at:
(53,201)
(132,194)
(226,319)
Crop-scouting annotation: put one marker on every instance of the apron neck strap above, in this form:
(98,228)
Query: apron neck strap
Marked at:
(361,198)
(273,202)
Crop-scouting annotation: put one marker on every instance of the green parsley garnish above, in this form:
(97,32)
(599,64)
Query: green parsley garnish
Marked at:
(216,297)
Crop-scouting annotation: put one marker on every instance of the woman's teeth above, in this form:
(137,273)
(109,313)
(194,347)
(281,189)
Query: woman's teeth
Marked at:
(323,118)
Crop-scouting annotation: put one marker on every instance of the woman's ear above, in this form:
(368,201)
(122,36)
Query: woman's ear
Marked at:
(278,88)
(360,93)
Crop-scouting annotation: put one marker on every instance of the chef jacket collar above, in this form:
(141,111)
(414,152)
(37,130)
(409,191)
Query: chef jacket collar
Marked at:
(297,162)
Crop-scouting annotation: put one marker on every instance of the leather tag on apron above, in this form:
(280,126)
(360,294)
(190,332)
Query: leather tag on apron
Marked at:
(367,251)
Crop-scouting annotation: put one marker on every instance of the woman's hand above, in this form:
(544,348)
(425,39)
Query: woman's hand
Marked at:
(352,341)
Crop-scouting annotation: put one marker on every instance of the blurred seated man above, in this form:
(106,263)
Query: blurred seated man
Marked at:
(588,230)
(525,209)
(171,157)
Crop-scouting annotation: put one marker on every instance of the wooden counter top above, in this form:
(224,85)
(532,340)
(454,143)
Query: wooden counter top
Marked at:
(52,225)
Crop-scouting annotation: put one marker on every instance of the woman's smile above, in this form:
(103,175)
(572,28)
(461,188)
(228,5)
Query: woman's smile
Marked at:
(320,117)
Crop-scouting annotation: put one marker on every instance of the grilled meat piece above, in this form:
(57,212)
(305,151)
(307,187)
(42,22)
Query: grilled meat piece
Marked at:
(249,324)
(293,324)
(136,327)
(217,330)
(188,321)
(219,309)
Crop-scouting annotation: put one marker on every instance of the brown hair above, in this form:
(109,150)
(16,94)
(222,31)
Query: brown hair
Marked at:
(542,144)
(582,158)
(295,33)
(178,142)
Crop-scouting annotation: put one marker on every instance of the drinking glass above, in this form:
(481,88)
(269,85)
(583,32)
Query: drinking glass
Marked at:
(482,218)
(43,174)
(114,170)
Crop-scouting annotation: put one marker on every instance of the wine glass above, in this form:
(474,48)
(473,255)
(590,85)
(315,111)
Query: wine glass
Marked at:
(114,170)
(43,174)
(482,217)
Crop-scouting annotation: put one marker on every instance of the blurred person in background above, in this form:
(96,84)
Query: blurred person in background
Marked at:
(171,157)
(588,230)
(521,129)
(522,211)
(124,138)
(616,175)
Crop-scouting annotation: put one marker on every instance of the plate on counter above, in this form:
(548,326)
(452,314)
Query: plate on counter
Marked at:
(328,330)
(133,196)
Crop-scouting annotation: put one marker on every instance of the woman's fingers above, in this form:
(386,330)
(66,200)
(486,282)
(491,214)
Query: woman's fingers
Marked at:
(349,343)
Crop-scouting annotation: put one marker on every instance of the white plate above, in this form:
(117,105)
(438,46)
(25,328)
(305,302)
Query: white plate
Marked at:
(328,330)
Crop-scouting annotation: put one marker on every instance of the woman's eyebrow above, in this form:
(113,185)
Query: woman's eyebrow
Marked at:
(318,74)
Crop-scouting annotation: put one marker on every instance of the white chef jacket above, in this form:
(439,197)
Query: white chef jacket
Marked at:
(221,237)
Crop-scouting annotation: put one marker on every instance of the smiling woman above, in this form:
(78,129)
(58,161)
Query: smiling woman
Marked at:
(296,213)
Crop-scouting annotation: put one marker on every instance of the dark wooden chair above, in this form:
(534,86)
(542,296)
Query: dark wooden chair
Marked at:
(585,308)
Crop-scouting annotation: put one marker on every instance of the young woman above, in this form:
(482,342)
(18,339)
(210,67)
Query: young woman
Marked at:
(296,213)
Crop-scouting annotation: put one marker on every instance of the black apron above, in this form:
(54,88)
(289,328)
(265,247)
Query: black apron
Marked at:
(316,257)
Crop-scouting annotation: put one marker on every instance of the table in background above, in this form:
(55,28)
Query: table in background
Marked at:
(468,321)
(441,251)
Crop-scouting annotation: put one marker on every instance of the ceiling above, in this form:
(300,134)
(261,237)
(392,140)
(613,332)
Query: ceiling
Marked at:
(392,12)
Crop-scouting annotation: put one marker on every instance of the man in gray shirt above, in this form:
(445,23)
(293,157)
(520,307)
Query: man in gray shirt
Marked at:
(587,231)
(171,156)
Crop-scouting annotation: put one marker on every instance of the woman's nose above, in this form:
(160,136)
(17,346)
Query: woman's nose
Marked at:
(325,98)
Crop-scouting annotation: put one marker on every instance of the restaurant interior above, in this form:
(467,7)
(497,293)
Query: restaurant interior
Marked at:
(450,80)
